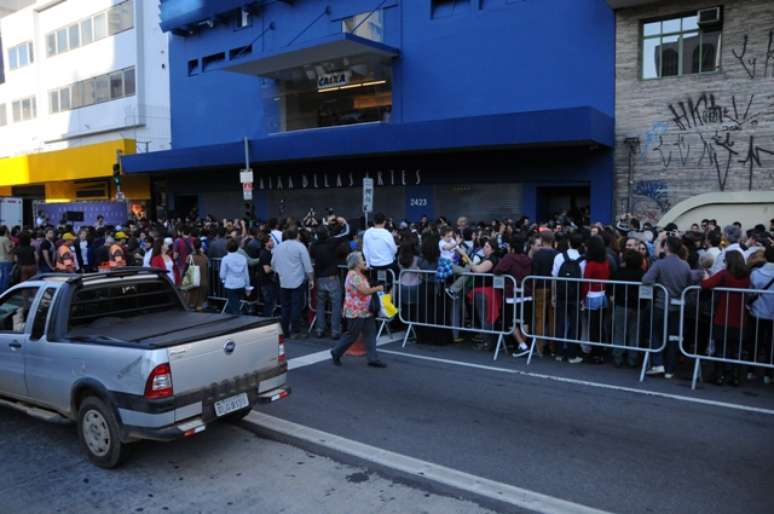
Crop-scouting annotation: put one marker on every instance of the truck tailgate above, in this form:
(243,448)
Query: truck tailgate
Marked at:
(209,361)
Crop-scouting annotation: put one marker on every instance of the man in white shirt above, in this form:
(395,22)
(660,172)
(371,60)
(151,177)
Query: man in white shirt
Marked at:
(379,248)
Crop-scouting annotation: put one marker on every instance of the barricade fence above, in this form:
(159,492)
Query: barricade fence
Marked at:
(639,324)
(467,302)
(626,317)
(731,328)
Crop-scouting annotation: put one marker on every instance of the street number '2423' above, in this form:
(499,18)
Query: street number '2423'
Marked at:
(418,202)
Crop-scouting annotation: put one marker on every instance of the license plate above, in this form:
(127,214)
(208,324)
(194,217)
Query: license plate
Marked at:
(231,404)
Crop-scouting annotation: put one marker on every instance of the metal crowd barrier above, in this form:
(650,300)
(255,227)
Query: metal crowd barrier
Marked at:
(469,302)
(383,277)
(217,291)
(728,327)
(625,316)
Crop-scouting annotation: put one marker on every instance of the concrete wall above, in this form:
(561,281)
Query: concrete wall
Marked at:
(698,133)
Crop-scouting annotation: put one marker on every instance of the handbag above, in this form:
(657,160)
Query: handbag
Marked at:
(193,276)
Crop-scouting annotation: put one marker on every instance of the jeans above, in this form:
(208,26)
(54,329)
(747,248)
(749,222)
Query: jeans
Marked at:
(357,326)
(668,356)
(234,299)
(269,298)
(329,288)
(626,332)
(568,326)
(5,275)
(292,301)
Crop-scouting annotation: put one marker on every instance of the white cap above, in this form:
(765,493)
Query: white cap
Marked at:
(168,241)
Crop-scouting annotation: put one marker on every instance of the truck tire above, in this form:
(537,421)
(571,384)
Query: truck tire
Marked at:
(99,434)
(237,416)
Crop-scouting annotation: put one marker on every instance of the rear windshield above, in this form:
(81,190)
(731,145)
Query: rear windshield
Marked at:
(127,300)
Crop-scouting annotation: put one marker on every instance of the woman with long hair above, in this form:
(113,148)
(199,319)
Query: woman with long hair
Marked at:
(593,295)
(730,315)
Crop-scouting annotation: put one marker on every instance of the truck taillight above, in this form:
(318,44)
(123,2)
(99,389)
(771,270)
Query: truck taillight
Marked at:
(159,384)
(281,352)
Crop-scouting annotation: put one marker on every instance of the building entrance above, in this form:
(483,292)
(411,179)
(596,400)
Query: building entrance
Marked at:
(554,200)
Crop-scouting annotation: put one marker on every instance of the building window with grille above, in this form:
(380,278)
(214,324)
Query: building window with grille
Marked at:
(679,45)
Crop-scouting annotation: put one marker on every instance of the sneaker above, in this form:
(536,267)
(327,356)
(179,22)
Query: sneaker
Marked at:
(377,364)
(575,360)
(558,358)
(668,376)
(452,294)
(655,370)
(458,340)
(523,347)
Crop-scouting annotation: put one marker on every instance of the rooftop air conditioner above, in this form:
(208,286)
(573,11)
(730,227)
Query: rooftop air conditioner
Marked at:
(710,17)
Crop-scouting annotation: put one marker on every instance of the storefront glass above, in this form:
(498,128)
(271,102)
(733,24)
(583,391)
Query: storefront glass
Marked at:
(328,94)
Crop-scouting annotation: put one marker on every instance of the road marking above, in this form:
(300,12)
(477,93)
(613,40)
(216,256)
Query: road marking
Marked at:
(314,358)
(420,469)
(714,403)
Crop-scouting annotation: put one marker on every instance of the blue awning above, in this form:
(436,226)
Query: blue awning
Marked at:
(550,128)
(331,48)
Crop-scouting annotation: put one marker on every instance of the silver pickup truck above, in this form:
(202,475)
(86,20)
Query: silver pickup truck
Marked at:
(119,354)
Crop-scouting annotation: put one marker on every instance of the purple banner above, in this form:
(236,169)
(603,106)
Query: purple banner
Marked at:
(115,213)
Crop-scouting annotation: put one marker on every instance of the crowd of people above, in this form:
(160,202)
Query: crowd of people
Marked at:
(274,265)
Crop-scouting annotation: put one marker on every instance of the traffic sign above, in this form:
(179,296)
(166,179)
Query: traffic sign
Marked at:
(368,194)
(246,175)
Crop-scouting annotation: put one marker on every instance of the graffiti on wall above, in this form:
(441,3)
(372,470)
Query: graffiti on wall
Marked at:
(654,190)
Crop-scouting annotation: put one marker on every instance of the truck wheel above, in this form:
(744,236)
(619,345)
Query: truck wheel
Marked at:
(99,434)
(238,415)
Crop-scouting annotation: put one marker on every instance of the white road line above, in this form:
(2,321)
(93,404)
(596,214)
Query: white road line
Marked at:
(314,358)
(587,383)
(420,469)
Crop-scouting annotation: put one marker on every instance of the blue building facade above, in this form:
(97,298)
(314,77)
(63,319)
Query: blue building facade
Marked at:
(486,108)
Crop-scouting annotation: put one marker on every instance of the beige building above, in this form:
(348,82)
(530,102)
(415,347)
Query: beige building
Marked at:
(694,106)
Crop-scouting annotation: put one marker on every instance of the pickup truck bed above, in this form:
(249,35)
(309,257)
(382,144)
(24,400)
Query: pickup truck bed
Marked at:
(165,329)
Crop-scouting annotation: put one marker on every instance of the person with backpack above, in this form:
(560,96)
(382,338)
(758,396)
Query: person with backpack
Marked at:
(65,258)
(566,297)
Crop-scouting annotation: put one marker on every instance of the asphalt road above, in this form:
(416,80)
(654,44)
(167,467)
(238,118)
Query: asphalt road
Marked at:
(611,449)
(225,469)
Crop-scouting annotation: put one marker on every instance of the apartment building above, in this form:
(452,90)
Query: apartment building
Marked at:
(83,82)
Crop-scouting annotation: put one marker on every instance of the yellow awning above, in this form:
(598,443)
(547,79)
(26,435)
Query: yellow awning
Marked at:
(82,162)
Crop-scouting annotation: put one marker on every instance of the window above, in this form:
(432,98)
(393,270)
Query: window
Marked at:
(116,85)
(87,36)
(64,99)
(53,102)
(75,36)
(678,46)
(24,109)
(129,82)
(120,17)
(368,27)
(92,304)
(103,88)
(3,116)
(41,315)
(61,41)
(244,19)
(106,23)
(100,26)
(15,309)
(446,8)
(20,55)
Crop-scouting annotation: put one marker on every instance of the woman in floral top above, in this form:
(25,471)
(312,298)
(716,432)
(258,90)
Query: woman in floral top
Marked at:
(360,320)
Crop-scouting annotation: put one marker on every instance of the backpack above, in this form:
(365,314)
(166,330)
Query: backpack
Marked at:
(569,290)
